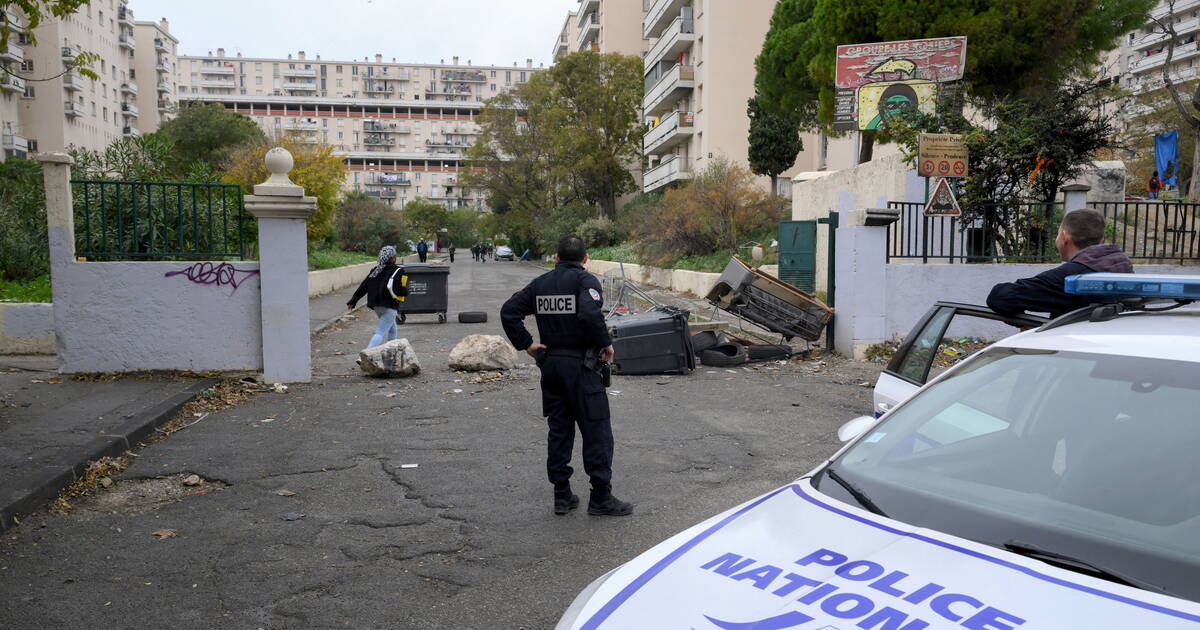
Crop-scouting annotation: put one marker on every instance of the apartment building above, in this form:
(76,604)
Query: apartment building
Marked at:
(567,36)
(154,66)
(1140,62)
(403,128)
(43,108)
(609,26)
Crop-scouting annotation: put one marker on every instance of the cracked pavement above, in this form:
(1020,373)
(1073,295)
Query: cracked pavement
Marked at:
(466,539)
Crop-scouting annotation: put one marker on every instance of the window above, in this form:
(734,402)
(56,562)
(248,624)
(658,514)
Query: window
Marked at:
(354,70)
(339,83)
(522,79)
(493,74)
(106,113)
(23,39)
(508,77)
(258,80)
(29,91)
(27,65)
(493,87)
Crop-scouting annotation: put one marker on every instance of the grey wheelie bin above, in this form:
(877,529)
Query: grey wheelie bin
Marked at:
(428,291)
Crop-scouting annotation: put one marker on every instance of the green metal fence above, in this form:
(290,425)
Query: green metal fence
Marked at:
(123,220)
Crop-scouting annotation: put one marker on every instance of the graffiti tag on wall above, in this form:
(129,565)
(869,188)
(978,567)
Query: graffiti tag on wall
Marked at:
(223,274)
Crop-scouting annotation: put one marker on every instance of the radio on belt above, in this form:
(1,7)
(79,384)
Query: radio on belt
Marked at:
(1183,287)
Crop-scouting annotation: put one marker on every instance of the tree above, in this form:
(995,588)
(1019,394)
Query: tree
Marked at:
(207,133)
(139,158)
(425,217)
(461,226)
(774,141)
(35,11)
(1189,116)
(600,135)
(316,169)
(1014,47)
(364,224)
(24,248)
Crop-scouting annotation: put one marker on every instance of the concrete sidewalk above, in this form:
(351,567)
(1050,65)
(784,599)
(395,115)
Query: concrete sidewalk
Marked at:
(52,425)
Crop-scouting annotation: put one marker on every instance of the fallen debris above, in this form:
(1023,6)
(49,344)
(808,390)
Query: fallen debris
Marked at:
(192,480)
(163,534)
(390,360)
(285,493)
(478,353)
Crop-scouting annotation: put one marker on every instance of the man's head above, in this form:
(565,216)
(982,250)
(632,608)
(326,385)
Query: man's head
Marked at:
(572,249)
(1080,230)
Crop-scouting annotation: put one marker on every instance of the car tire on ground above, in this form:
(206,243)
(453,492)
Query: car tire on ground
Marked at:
(768,351)
(724,355)
(706,339)
(472,317)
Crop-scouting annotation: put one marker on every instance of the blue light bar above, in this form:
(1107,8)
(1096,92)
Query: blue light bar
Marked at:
(1135,285)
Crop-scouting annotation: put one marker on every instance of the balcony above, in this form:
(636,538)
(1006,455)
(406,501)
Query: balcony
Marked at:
(659,15)
(464,76)
(130,110)
(298,72)
(14,145)
(392,179)
(69,53)
(125,16)
(672,169)
(164,106)
(10,83)
(72,81)
(162,66)
(13,54)
(1158,40)
(674,85)
(1181,7)
(131,132)
(378,140)
(126,41)
(586,7)
(218,83)
(72,109)
(300,87)
(219,70)
(674,129)
(374,126)
(1149,84)
(160,45)
(301,125)
(129,87)
(164,87)
(15,22)
(1157,60)
(678,37)
(381,193)
(589,32)
(377,87)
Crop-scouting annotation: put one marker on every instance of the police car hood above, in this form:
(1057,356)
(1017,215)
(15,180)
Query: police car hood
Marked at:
(795,558)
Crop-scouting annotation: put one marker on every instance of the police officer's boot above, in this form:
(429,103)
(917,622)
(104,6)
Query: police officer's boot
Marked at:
(603,503)
(564,499)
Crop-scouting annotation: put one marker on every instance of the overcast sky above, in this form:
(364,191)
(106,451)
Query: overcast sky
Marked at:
(488,32)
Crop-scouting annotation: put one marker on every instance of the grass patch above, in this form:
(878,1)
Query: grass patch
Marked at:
(330,258)
(616,253)
(33,290)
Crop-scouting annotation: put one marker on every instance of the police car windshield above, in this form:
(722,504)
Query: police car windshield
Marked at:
(1091,456)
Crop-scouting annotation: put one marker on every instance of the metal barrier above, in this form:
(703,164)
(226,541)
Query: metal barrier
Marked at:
(1153,230)
(1011,232)
(123,220)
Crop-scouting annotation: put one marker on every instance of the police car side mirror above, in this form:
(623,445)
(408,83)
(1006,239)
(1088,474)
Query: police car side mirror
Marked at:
(855,428)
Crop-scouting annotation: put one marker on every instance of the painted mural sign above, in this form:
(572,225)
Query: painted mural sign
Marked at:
(880,80)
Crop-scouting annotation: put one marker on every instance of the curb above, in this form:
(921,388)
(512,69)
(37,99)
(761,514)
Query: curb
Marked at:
(329,322)
(51,480)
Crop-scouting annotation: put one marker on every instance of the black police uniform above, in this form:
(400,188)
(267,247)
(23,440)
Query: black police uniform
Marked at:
(567,304)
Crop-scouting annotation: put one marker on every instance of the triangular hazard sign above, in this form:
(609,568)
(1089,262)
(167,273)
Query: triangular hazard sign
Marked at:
(942,202)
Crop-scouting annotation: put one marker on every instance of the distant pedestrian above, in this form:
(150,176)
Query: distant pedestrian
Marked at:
(422,250)
(381,287)
(1154,185)
(451,250)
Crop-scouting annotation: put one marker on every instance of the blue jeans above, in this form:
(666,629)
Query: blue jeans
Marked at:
(386,331)
(1154,194)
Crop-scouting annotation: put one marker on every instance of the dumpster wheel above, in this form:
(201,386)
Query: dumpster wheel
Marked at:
(441,318)
(400,318)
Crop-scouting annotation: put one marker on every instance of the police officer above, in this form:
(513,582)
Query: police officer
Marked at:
(573,337)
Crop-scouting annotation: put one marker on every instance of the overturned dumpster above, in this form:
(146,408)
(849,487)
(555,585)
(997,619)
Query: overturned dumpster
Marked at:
(769,302)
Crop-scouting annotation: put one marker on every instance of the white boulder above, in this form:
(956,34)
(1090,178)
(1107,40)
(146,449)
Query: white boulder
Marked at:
(479,353)
(393,359)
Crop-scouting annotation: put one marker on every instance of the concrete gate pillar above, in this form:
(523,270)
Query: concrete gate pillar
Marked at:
(1075,197)
(281,209)
(861,279)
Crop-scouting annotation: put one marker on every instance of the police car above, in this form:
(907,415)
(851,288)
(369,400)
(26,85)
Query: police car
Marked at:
(1051,481)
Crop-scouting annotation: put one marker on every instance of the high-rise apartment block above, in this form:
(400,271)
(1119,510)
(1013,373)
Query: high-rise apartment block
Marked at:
(1140,63)
(403,128)
(48,106)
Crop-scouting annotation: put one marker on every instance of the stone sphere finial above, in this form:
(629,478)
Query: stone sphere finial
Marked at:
(279,162)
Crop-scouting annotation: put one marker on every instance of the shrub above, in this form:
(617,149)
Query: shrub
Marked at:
(24,249)
(601,232)
(715,212)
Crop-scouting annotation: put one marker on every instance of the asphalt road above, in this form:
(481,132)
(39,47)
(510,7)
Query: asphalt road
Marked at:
(466,539)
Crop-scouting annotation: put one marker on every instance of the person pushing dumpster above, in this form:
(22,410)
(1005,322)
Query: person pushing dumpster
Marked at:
(573,354)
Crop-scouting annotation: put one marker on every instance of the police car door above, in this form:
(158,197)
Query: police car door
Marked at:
(909,368)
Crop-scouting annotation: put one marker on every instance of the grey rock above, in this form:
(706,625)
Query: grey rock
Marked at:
(394,359)
(477,353)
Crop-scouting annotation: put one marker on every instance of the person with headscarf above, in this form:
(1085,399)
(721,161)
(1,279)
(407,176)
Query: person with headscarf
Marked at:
(381,286)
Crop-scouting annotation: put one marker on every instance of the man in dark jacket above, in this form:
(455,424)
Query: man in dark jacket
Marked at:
(422,249)
(1079,244)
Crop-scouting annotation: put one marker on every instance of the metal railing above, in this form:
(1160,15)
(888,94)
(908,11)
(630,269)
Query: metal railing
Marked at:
(1151,231)
(1001,232)
(126,220)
